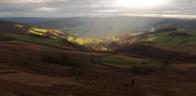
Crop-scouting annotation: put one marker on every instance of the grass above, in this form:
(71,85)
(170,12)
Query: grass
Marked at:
(165,38)
(193,38)
(177,43)
(37,39)
(124,61)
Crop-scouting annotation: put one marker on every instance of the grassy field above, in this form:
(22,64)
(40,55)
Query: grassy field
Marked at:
(127,62)
(37,39)
(179,43)
(165,38)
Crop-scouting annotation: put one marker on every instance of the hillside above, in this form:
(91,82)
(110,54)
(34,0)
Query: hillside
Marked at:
(177,41)
(39,61)
(11,31)
(26,69)
(181,40)
(164,46)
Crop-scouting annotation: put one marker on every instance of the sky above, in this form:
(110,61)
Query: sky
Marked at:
(75,8)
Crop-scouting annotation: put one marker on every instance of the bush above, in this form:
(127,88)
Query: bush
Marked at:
(59,59)
(76,71)
(6,38)
(141,70)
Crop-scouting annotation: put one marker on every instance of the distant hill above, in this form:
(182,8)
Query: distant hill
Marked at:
(104,26)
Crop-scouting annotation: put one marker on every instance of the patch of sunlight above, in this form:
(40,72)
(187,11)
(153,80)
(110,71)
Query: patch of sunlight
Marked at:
(70,38)
(19,26)
(92,42)
(89,40)
(83,41)
(80,41)
(135,33)
(104,49)
(35,33)
(39,30)
(151,38)
(114,38)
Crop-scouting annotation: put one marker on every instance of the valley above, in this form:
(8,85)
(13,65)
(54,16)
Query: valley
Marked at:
(42,61)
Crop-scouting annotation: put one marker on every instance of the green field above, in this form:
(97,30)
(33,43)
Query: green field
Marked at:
(164,40)
(37,39)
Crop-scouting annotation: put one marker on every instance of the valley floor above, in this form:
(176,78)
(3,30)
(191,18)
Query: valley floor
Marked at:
(22,75)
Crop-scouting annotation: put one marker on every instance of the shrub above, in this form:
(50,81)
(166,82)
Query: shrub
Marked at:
(141,70)
(75,72)
(59,59)
(4,38)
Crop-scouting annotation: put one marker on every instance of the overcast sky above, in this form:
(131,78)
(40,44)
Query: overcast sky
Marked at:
(70,8)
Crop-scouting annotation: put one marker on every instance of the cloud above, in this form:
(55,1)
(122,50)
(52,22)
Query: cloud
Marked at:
(183,8)
(163,16)
(21,1)
(106,11)
(48,9)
